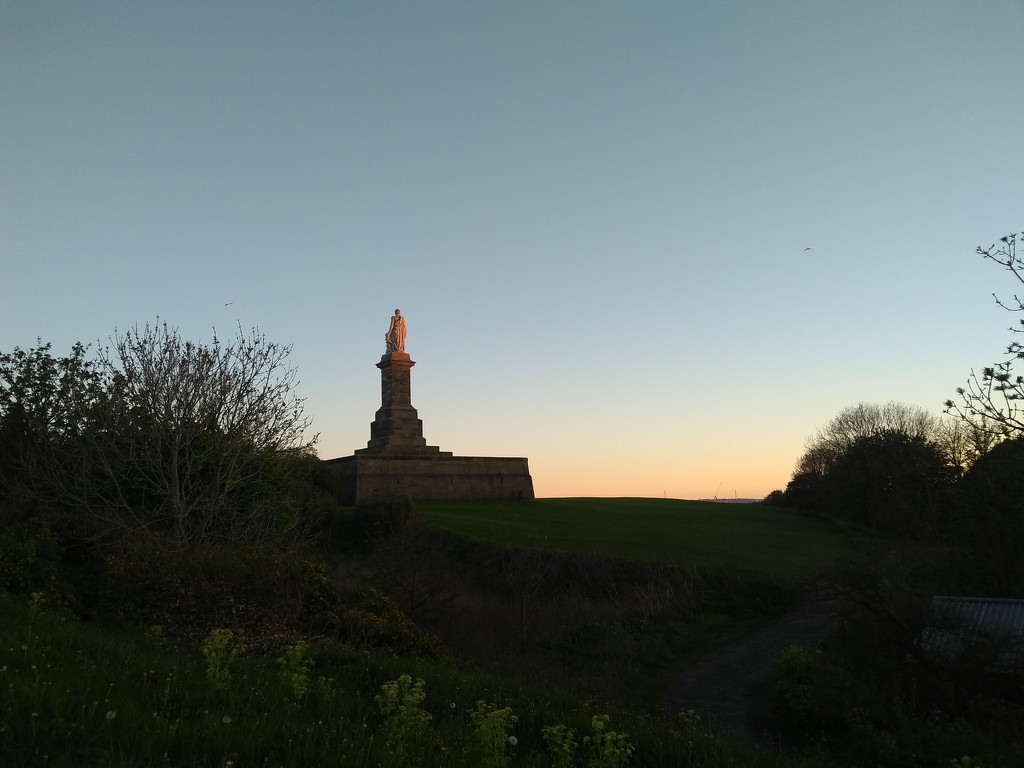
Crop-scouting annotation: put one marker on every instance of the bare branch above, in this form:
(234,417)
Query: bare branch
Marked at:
(162,433)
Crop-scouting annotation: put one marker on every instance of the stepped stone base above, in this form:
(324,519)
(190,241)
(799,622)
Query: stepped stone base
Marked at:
(366,478)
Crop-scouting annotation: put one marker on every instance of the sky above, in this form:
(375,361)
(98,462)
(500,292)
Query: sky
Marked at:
(651,246)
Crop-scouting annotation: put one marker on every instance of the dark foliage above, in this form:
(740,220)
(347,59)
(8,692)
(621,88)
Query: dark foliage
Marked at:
(267,598)
(873,694)
(199,442)
(888,481)
(364,527)
(989,525)
(891,482)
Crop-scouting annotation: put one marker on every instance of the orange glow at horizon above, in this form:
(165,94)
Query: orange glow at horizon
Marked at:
(746,474)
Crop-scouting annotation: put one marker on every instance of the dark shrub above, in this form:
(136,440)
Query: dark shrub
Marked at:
(990,522)
(375,621)
(267,598)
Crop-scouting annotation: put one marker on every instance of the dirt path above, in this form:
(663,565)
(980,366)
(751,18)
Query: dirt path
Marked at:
(723,686)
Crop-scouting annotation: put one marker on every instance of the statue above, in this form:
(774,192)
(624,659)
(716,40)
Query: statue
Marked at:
(395,337)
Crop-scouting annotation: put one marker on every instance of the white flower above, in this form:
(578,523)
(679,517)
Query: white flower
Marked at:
(111,715)
(226,719)
(512,740)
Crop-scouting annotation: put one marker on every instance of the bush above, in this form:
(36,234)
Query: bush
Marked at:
(990,503)
(891,482)
(32,554)
(267,598)
(375,621)
(363,528)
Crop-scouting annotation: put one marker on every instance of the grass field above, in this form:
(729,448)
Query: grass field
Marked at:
(751,539)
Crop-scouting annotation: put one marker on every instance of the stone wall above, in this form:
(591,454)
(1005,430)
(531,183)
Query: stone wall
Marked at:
(367,478)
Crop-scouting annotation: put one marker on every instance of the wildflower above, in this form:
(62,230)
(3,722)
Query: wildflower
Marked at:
(512,740)
(111,715)
(226,719)
(452,705)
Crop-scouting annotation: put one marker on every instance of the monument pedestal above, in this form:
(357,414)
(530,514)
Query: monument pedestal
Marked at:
(365,479)
(398,461)
(397,429)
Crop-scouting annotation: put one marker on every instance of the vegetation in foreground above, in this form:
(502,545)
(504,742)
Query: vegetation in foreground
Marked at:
(95,694)
(336,672)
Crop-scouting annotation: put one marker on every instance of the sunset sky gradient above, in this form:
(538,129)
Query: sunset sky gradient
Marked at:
(652,246)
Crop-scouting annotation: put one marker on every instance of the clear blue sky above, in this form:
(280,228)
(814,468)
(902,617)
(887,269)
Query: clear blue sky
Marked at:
(594,215)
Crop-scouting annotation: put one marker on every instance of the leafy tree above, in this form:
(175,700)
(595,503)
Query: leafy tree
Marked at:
(44,400)
(891,481)
(994,399)
(809,487)
(160,434)
(990,524)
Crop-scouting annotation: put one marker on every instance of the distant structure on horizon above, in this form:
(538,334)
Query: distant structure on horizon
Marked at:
(397,460)
(732,501)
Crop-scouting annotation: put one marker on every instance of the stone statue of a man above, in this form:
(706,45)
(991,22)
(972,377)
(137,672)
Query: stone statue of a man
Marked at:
(395,337)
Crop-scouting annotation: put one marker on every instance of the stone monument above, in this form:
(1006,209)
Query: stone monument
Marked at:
(397,460)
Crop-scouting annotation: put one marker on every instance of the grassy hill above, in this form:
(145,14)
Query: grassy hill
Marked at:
(752,539)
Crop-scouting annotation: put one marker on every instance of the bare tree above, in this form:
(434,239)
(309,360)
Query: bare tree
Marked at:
(875,435)
(860,421)
(194,440)
(993,399)
(963,442)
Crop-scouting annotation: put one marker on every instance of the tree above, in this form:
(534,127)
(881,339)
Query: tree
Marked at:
(994,399)
(46,403)
(831,442)
(963,442)
(198,441)
(865,419)
(891,481)
(990,526)
(877,465)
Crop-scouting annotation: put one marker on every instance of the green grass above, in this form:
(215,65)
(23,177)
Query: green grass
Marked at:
(750,539)
(78,694)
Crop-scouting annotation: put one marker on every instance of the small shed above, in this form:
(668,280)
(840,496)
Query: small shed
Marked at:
(981,626)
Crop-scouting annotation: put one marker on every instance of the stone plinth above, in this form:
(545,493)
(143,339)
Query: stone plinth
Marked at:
(366,478)
(397,429)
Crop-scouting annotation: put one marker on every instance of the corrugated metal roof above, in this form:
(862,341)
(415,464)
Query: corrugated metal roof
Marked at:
(962,624)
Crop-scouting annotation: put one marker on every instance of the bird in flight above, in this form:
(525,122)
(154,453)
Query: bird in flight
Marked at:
(808,249)
(229,303)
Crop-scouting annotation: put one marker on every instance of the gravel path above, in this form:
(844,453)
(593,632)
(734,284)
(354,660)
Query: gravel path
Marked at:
(723,686)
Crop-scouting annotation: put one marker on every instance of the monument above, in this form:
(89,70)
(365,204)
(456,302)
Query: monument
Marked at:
(397,460)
